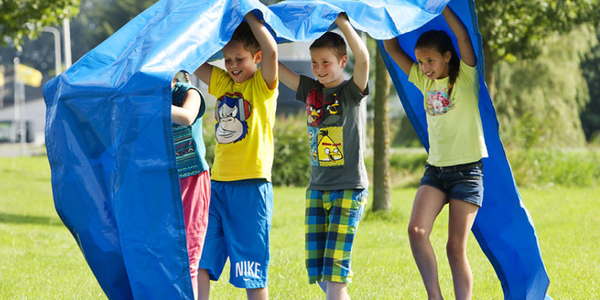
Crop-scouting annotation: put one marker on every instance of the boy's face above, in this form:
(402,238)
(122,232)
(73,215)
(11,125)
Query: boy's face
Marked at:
(432,63)
(328,69)
(239,62)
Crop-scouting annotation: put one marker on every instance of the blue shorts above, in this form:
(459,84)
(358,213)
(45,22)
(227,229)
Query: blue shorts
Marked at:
(239,223)
(461,182)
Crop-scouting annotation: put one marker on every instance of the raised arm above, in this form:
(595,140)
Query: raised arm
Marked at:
(203,73)
(465,47)
(359,49)
(268,47)
(187,113)
(288,77)
(398,55)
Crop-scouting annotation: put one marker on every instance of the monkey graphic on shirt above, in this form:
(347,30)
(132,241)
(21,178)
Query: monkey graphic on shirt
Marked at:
(231,114)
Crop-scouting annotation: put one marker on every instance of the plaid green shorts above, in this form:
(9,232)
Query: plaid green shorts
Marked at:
(331,220)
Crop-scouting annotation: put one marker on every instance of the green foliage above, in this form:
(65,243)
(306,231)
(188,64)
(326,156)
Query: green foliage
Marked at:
(99,19)
(544,167)
(590,116)
(208,134)
(92,22)
(405,134)
(406,166)
(518,27)
(291,164)
(531,168)
(538,100)
(20,19)
(517,31)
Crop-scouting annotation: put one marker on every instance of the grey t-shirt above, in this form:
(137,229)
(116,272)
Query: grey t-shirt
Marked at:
(335,131)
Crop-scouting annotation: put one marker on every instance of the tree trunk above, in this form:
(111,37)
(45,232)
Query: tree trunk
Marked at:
(381,143)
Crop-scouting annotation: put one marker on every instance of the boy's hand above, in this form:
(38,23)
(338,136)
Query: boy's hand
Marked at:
(342,17)
(268,47)
(359,49)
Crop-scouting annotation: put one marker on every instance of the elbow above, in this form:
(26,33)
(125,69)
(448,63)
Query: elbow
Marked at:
(184,120)
(270,55)
(362,65)
(463,38)
(386,45)
(188,121)
(390,45)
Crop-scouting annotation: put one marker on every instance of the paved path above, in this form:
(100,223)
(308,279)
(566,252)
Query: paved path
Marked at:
(14,150)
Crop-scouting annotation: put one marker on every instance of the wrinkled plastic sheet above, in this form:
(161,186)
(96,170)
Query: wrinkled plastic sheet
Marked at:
(110,144)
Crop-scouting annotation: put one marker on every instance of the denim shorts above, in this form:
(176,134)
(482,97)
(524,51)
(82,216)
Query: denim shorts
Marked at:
(461,182)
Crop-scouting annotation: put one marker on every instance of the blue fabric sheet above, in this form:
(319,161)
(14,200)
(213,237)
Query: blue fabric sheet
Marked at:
(110,144)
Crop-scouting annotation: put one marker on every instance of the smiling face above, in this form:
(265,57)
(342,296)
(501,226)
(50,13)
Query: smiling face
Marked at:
(432,63)
(239,62)
(327,67)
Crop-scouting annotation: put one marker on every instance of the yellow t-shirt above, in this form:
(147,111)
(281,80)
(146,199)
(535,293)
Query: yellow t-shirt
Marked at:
(454,125)
(245,115)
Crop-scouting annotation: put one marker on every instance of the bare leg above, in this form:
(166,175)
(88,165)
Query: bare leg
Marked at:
(336,291)
(462,216)
(428,203)
(203,284)
(257,294)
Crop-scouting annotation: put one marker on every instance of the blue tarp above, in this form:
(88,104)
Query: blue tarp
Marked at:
(110,144)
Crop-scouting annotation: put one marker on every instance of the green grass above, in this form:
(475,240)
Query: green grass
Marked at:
(39,258)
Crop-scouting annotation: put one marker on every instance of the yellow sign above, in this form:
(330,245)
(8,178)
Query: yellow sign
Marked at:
(29,76)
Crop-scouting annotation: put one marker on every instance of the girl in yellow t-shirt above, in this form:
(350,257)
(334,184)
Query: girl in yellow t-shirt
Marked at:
(454,171)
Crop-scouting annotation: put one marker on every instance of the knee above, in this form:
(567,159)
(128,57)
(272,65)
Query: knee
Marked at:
(456,250)
(416,232)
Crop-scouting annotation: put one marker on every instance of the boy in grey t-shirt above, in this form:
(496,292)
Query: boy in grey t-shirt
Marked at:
(338,189)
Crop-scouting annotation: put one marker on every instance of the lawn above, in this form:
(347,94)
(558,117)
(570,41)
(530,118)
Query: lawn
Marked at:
(39,258)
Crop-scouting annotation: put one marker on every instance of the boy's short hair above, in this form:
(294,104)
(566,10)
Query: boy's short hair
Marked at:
(244,35)
(332,41)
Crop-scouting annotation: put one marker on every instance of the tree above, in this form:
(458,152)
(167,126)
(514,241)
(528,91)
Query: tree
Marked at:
(590,117)
(95,22)
(532,67)
(381,140)
(513,29)
(539,99)
(99,19)
(22,19)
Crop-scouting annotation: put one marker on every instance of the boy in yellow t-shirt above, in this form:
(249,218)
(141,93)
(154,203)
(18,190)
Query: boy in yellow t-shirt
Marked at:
(241,190)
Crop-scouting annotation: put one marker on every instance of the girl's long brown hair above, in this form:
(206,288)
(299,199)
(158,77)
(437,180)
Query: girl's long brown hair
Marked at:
(441,42)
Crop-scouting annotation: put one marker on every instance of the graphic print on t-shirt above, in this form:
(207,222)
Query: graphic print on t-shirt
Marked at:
(438,102)
(231,114)
(325,131)
(326,146)
(321,111)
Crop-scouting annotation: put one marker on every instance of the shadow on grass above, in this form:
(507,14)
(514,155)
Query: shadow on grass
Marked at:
(37,220)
